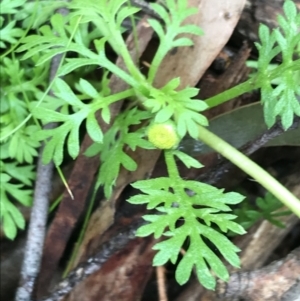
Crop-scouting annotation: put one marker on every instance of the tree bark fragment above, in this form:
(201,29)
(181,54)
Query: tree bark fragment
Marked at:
(269,283)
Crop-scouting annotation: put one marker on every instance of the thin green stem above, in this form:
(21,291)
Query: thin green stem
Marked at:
(121,95)
(133,70)
(251,168)
(113,68)
(117,42)
(156,62)
(251,84)
(81,235)
(278,71)
(63,179)
(240,89)
(26,99)
(108,100)
(171,165)
(55,203)
(135,35)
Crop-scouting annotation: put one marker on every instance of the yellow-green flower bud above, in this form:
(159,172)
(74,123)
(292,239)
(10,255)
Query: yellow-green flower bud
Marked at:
(163,135)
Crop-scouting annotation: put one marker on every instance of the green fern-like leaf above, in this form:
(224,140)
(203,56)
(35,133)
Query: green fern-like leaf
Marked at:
(189,212)
(268,208)
(10,216)
(10,6)
(112,151)
(168,103)
(177,12)
(19,92)
(69,129)
(66,35)
(9,33)
(107,16)
(283,100)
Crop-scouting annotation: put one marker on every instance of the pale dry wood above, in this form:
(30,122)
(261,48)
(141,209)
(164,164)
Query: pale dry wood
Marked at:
(161,283)
(257,12)
(266,236)
(269,283)
(293,294)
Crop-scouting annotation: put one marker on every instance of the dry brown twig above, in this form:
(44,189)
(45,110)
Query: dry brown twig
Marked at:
(39,212)
(161,283)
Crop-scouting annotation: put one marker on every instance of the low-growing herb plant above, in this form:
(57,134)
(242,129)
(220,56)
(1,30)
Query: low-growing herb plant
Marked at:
(187,211)
(266,208)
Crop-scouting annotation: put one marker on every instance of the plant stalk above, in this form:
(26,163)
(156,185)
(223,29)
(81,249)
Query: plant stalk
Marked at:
(171,165)
(251,168)
(240,89)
